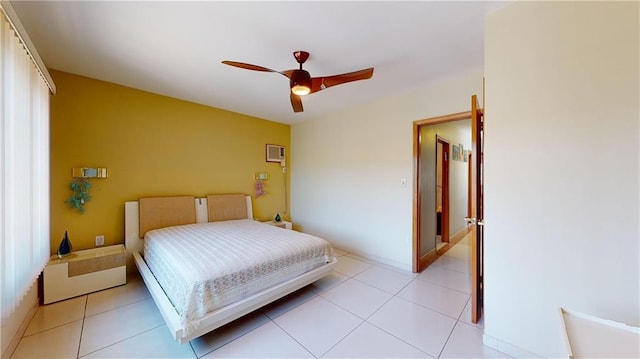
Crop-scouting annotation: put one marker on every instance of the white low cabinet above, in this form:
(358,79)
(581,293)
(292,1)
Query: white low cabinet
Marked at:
(83,272)
(281,224)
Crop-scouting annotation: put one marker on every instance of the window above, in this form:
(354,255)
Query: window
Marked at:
(24,163)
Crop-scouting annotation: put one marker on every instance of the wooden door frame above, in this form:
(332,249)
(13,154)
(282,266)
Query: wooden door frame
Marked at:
(418,262)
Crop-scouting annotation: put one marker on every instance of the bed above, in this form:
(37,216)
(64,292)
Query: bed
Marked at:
(206,262)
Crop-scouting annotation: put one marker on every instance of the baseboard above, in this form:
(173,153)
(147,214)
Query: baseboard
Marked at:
(453,240)
(389,262)
(15,340)
(507,348)
(428,258)
(459,235)
(425,260)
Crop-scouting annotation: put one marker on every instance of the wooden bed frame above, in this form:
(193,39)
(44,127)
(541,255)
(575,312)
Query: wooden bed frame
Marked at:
(220,316)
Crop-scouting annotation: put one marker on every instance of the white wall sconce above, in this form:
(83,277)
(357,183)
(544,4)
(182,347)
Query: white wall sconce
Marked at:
(89,172)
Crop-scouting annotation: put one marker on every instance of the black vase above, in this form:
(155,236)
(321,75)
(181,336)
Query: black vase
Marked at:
(278,219)
(64,249)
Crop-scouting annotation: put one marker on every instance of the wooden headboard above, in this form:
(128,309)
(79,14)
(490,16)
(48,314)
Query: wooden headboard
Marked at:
(133,223)
(160,212)
(225,207)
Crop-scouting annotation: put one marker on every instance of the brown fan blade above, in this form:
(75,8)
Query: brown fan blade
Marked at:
(321,83)
(296,102)
(287,73)
(242,65)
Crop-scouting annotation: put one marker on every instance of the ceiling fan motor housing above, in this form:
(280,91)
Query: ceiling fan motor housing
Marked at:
(300,82)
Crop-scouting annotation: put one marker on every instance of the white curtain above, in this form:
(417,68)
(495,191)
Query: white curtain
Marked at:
(24,164)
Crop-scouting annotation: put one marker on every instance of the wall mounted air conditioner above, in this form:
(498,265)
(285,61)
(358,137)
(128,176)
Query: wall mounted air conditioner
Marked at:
(275,153)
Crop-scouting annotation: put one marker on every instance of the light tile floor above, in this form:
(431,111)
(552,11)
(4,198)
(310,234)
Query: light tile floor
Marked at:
(363,309)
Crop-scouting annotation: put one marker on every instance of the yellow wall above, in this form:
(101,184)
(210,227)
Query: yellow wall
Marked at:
(152,145)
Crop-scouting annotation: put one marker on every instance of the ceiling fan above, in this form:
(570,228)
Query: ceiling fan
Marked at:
(301,83)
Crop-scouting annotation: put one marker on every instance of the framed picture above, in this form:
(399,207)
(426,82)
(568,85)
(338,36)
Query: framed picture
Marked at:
(456,153)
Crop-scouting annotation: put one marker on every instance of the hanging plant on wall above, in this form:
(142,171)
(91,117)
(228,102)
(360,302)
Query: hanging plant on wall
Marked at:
(80,187)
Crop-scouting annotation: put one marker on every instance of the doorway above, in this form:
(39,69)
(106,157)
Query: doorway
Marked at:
(441,197)
(466,214)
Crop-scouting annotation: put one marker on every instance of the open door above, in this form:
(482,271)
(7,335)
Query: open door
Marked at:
(477,213)
(475,206)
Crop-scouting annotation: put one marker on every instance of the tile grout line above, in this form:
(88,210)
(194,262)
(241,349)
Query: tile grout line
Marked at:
(343,338)
(442,286)
(195,355)
(452,329)
(384,330)
(389,333)
(84,313)
(448,338)
(106,311)
(232,340)
(372,286)
(292,337)
(116,308)
(120,341)
(319,294)
(436,310)
(316,295)
(48,329)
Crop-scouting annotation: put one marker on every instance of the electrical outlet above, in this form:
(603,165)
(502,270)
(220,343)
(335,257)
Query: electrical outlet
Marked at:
(100,240)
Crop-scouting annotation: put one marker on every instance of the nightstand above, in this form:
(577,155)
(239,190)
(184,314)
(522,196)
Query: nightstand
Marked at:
(281,224)
(83,272)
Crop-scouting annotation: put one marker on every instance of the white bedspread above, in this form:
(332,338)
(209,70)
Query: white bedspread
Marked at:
(204,266)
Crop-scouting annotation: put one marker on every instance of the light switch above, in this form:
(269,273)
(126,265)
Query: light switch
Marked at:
(403,182)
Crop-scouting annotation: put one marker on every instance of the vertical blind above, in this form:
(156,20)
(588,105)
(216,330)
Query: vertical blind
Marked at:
(24,165)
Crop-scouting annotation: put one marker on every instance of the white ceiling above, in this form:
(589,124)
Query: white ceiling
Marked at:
(176,48)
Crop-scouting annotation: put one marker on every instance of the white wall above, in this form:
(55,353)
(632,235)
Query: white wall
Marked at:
(562,161)
(346,170)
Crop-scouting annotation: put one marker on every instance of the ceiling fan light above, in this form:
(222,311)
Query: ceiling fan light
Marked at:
(300,82)
(300,90)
